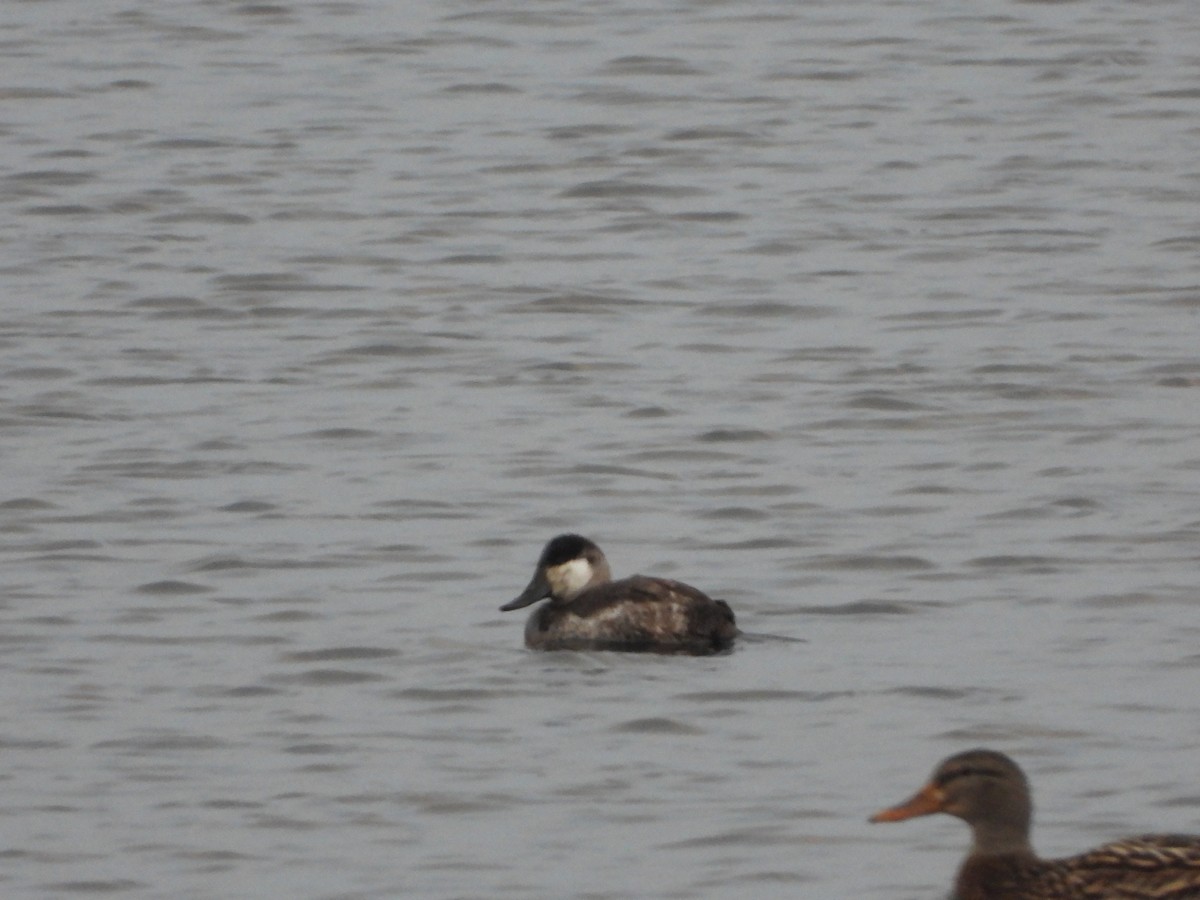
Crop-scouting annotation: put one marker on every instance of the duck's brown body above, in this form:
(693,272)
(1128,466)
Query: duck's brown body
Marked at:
(634,614)
(1152,867)
(989,792)
(587,610)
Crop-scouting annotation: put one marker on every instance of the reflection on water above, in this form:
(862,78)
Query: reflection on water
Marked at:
(877,321)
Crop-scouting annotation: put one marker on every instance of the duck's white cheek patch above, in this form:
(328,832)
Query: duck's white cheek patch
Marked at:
(568,579)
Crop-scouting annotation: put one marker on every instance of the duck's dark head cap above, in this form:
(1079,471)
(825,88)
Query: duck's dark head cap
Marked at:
(565,548)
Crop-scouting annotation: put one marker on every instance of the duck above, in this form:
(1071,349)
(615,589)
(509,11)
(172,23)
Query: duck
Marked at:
(989,792)
(588,610)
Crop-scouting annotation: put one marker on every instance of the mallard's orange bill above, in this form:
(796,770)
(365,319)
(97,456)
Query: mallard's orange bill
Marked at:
(925,802)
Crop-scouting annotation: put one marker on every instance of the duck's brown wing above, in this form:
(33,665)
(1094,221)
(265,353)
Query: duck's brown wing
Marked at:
(658,613)
(709,624)
(636,589)
(1151,867)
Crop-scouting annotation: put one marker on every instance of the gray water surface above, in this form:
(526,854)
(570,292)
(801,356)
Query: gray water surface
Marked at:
(879,320)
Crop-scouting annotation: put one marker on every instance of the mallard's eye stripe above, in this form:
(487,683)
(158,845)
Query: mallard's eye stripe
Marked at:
(968,771)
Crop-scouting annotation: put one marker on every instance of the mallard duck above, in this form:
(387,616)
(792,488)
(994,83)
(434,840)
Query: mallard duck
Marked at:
(988,791)
(590,611)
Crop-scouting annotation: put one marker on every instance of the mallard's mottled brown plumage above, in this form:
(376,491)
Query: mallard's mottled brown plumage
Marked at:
(587,610)
(989,792)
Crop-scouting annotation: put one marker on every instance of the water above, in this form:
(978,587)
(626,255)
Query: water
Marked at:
(877,319)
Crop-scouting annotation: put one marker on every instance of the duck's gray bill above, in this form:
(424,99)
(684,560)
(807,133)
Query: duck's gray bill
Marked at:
(538,589)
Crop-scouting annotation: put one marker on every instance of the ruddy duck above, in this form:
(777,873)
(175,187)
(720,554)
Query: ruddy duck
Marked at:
(590,611)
